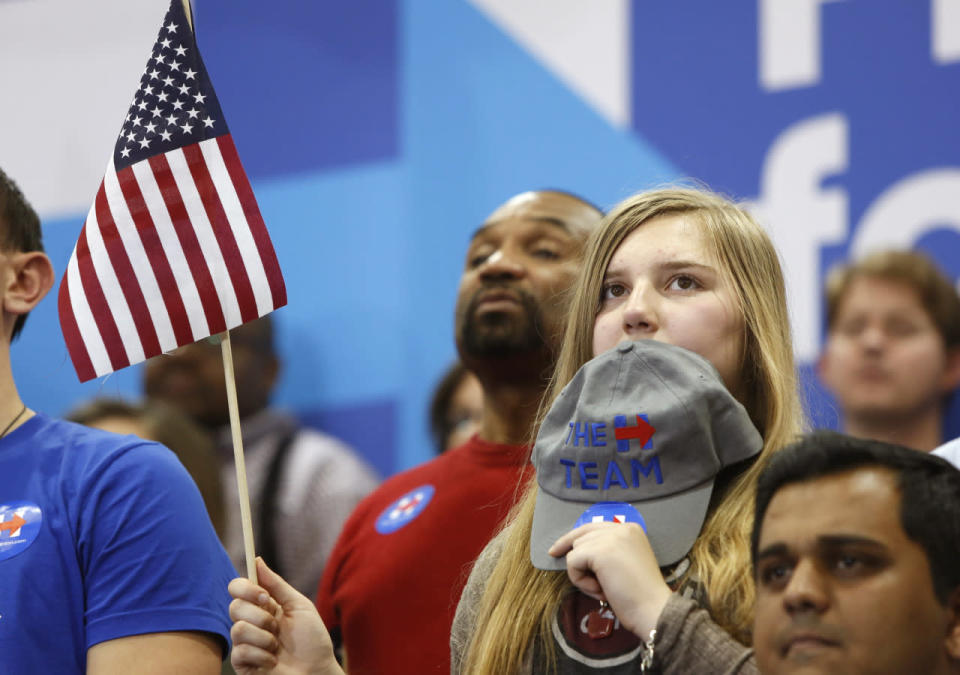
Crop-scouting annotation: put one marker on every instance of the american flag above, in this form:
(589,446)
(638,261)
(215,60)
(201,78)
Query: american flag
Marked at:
(174,248)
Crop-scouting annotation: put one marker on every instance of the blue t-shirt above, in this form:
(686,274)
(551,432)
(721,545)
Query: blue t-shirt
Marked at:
(101,536)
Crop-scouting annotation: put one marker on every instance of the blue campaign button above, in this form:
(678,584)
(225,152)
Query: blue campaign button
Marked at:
(404,510)
(19,526)
(610,512)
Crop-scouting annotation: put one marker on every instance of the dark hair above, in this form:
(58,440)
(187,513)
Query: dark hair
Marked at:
(929,492)
(168,426)
(19,228)
(441,426)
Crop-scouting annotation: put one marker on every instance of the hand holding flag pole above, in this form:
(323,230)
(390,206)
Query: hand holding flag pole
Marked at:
(174,248)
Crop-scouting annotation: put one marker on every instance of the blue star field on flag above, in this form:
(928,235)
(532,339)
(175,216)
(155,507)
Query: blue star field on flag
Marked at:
(175,104)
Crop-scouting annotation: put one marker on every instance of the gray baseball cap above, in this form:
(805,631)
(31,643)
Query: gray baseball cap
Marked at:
(644,425)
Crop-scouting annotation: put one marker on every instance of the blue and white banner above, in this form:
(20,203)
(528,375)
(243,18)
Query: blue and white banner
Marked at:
(399,124)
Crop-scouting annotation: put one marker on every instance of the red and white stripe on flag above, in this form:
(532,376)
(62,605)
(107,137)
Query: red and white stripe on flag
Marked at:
(174,250)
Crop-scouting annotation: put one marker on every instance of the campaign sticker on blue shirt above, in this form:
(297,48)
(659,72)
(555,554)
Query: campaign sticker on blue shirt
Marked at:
(404,510)
(610,512)
(19,527)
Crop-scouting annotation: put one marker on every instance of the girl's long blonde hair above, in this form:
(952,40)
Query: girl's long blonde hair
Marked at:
(520,601)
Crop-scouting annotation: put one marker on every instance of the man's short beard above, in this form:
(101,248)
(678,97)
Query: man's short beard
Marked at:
(501,334)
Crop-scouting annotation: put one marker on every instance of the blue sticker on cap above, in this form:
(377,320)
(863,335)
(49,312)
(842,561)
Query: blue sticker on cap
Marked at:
(404,510)
(19,526)
(610,512)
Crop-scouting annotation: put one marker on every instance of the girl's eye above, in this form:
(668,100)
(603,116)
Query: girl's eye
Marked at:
(546,254)
(613,291)
(683,282)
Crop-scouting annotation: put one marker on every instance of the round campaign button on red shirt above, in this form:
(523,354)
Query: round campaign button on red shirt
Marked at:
(404,510)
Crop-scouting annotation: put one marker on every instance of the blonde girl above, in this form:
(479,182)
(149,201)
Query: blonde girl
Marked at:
(692,269)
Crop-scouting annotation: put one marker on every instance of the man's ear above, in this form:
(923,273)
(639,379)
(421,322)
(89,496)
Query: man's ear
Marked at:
(30,279)
(951,372)
(952,641)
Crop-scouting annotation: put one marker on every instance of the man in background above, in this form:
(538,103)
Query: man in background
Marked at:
(892,353)
(303,484)
(392,584)
(855,549)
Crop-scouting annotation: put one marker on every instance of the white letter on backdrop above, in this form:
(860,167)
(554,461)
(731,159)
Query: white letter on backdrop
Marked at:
(907,210)
(801,215)
(945,30)
(789,43)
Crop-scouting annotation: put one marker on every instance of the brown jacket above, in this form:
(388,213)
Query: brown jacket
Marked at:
(688,641)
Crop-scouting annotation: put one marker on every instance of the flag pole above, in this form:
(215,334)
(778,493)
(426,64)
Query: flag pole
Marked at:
(246,522)
(244,493)
(187,10)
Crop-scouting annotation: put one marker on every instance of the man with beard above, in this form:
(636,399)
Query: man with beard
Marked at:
(391,585)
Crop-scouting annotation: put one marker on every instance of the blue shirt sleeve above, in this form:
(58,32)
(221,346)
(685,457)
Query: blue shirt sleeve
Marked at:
(151,560)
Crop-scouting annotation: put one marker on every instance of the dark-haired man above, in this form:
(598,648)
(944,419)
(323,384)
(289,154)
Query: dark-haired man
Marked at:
(856,546)
(392,583)
(108,561)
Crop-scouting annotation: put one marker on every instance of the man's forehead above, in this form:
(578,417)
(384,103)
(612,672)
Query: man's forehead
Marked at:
(883,299)
(867,287)
(862,500)
(551,208)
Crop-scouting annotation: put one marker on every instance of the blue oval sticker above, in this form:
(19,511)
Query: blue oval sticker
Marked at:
(404,510)
(19,527)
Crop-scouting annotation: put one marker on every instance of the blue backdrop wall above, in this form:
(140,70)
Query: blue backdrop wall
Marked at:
(379,133)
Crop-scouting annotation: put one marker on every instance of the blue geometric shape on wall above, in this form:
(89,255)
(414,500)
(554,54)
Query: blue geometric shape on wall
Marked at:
(305,85)
(711,116)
